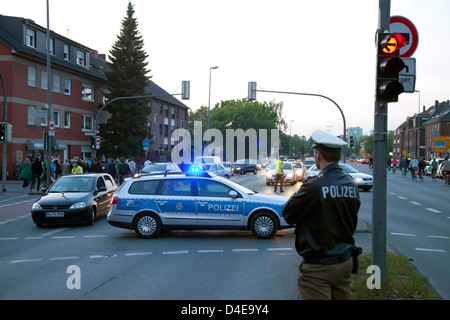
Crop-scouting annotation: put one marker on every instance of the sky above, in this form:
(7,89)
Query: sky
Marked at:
(324,47)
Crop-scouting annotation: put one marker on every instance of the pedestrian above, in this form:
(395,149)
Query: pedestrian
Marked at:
(66,167)
(124,171)
(324,210)
(77,167)
(111,169)
(279,171)
(95,166)
(58,170)
(132,166)
(37,169)
(25,172)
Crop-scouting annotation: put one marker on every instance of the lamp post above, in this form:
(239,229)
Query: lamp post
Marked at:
(290,138)
(209,96)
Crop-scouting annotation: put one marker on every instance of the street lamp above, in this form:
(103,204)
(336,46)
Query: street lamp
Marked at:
(290,137)
(209,97)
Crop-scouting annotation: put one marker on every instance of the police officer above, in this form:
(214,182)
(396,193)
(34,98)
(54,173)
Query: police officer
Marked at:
(279,170)
(324,211)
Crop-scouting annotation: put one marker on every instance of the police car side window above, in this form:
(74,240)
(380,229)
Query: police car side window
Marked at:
(149,187)
(208,188)
(176,187)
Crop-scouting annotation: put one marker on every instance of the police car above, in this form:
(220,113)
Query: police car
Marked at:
(194,201)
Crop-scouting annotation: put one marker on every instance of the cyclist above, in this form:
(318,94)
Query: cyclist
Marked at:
(403,166)
(414,165)
(422,165)
(434,166)
(394,164)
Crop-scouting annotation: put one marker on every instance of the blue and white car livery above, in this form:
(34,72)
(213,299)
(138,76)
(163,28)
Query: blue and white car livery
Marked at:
(149,204)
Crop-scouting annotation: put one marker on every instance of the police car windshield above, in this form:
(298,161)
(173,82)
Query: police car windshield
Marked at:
(160,167)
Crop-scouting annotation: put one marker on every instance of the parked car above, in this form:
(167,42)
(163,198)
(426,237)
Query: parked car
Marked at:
(77,198)
(288,176)
(218,169)
(161,167)
(244,165)
(363,180)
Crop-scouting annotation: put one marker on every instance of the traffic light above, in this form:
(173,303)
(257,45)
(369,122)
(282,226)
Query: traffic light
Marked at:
(351,142)
(251,91)
(2,132)
(389,64)
(92,142)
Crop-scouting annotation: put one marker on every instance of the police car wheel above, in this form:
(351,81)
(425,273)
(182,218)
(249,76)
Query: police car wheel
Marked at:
(147,226)
(264,225)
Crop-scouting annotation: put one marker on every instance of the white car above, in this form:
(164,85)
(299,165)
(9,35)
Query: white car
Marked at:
(218,169)
(288,176)
(364,181)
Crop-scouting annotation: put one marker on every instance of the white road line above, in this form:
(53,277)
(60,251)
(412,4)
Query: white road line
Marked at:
(26,260)
(131,254)
(13,238)
(33,238)
(100,256)
(245,250)
(433,210)
(63,237)
(176,252)
(96,236)
(438,237)
(53,232)
(416,203)
(403,234)
(279,249)
(210,251)
(63,258)
(401,197)
(430,250)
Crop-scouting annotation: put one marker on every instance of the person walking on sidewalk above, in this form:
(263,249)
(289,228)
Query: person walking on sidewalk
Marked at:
(25,172)
(325,212)
(37,169)
(279,171)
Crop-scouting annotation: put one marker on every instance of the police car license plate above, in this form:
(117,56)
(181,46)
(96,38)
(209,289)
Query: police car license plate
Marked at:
(55,214)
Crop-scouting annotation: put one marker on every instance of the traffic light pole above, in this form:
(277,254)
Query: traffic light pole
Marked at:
(379,165)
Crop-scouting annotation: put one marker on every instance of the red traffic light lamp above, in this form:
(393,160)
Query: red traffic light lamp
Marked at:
(389,64)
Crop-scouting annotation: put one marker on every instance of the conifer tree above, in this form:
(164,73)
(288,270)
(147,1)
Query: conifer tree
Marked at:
(124,131)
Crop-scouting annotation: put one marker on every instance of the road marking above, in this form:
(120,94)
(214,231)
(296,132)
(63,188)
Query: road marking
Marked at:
(245,250)
(100,256)
(433,210)
(438,237)
(401,197)
(26,260)
(96,236)
(416,203)
(63,237)
(138,254)
(33,238)
(210,251)
(403,234)
(176,252)
(279,249)
(430,250)
(63,258)
(14,238)
(53,232)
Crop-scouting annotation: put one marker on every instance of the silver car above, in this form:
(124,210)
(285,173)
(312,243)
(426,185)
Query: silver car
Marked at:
(150,204)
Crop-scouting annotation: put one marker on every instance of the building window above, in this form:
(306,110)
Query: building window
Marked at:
(56,83)
(30,38)
(66,119)
(56,118)
(155,118)
(88,123)
(36,116)
(52,46)
(81,58)
(31,76)
(67,86)
(87,92)
(44,79)
(66,52)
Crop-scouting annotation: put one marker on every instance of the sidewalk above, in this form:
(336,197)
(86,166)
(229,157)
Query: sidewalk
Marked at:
(14,188)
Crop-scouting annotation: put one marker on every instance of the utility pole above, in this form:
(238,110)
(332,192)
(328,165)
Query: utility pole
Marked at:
(379,164)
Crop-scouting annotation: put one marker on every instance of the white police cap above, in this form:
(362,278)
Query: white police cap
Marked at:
(327,142)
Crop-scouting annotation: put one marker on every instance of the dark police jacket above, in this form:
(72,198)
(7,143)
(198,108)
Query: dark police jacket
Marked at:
(324,211)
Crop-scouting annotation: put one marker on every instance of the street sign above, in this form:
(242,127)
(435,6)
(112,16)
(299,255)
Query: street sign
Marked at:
(401,24)
(51,127)
(407,77)
(98,140)
(146,144)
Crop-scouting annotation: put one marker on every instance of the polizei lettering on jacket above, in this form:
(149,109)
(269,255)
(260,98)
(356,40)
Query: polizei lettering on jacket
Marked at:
(339,192)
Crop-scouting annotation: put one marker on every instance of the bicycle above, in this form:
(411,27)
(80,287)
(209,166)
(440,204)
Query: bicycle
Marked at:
(421,175)
(446,179)
(433,174)
(404,171)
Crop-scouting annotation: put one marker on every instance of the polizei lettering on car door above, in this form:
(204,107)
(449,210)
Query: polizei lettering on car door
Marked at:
(223,207)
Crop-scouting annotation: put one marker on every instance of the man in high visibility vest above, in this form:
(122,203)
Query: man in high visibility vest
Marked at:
(279,170)
(77,168)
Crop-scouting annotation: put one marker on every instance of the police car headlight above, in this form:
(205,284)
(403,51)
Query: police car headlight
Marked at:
(78,205)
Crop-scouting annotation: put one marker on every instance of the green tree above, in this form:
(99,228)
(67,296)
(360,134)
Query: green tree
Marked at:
(125,130)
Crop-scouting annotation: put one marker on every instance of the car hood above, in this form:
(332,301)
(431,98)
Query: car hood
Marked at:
(63,198)
(360,175)
(272,199)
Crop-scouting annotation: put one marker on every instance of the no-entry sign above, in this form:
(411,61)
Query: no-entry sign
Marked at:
(401,24)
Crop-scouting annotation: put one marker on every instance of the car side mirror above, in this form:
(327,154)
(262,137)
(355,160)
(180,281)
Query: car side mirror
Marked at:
(233,194)
(101,189)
